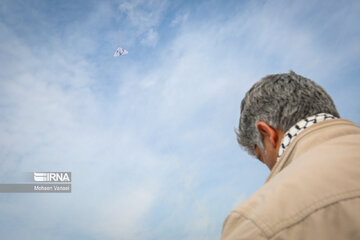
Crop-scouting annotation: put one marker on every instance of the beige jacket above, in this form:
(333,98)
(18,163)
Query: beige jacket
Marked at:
(313,191)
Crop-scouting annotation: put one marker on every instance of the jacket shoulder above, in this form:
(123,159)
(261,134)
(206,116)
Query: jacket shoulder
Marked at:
(324,172)
(239,227)
(342,222)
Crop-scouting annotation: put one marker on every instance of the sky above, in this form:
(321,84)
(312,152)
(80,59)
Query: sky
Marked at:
(149,136)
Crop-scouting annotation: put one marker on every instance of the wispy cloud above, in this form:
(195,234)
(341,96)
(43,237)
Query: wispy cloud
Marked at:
(151,38)
(144,16)
(179,19)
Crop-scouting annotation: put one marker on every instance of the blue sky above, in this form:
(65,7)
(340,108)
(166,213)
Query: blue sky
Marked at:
(149,137)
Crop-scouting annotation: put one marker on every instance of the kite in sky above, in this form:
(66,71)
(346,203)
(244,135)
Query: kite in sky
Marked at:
(120,51)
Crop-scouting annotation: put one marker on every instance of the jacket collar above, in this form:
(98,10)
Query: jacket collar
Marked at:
(291,134)
(301,139)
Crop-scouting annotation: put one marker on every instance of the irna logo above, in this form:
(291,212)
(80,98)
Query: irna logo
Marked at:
(52,176)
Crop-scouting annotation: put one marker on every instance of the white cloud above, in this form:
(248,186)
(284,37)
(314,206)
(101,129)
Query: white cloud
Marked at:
(123,215)
(145,16)
(52,122)
(179,19)
(143,13)
(151,38)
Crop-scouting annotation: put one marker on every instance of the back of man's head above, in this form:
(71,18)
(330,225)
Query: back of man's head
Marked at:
(280,100)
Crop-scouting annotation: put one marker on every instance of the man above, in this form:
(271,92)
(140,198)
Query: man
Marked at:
(313,191)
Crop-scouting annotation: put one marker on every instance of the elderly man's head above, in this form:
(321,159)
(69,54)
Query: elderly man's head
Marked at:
(272,106)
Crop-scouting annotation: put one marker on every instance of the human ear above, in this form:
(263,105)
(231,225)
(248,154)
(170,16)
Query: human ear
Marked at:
(268,132)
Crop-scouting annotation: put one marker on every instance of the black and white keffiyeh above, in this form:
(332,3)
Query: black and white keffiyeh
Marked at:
(290,135)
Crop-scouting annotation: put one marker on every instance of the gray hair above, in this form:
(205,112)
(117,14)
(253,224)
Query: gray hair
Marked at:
(280,100)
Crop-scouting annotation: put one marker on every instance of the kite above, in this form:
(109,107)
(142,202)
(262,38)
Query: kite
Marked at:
(120,51)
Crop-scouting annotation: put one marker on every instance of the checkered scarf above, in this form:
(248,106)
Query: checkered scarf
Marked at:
(290,135)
